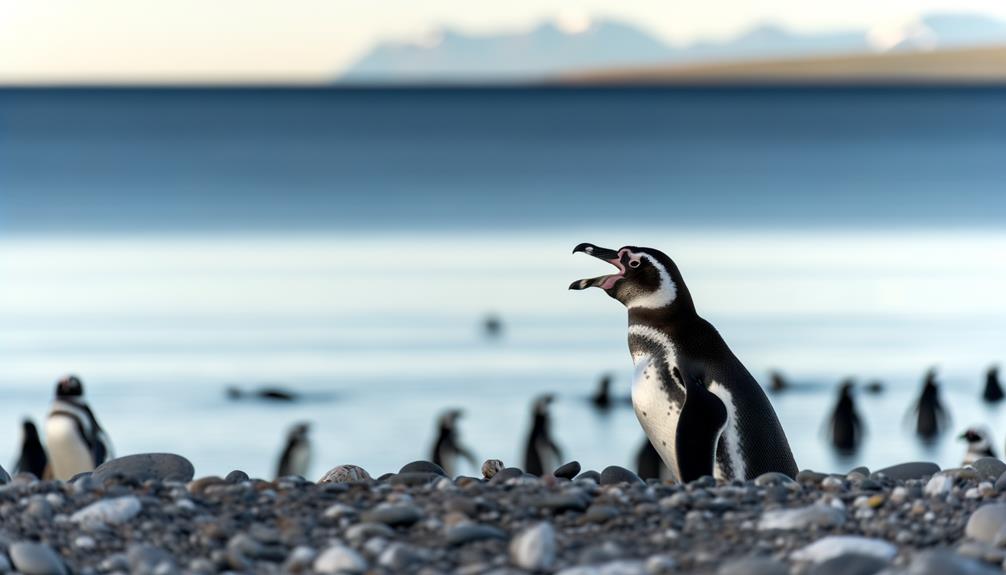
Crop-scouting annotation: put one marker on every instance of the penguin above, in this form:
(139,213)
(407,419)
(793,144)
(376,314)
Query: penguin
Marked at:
(492,325)
(602,400)
(979,445)
(33,458)
(296,457)
(699,406)
(930,416)
(874,387)
(777,383)
(264,393)
(648,463)
(542,454)
(447,446)
(845,425)
(993,391)
(75,439)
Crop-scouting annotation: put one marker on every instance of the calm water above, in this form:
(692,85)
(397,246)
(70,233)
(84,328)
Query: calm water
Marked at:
(164,244)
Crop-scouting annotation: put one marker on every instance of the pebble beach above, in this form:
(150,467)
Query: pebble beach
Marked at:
(148,514)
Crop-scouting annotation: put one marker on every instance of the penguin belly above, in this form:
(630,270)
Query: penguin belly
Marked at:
(68,453)
(656,412)
(547,456)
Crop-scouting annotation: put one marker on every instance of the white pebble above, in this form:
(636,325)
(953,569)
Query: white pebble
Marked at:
(534,548)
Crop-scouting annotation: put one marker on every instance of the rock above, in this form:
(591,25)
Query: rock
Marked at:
(567,470)
(199,486)
(906,471)
(590,475)
(149,560)
(772,478)
(4,476)
(613,475)
(144,466)
(398,557)
(989,467)
(84,542)
(808,476)
(345,474)
(300,559)
(108,511)
(987,523)
(362,531)
(941,562)
(835,545)
(661,565)
(505,474)
(939,485)
(861,470)
(1000,484)
(5,566)
(534,548)
(559,502)
(423,467)
(849,564)
(600,513)
(490,467)
(801,518)
(394,515)
(339,559)
(468,532)
(36,559)
(753,566)
(415,478)
(236,476)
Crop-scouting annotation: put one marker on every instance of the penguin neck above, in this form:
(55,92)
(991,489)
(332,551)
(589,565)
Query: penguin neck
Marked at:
(682,309)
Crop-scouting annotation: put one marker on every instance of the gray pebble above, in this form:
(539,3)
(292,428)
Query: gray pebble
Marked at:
(534,548)
(849,564)
(989,467)
(568,470)
(505,474)
(600,514)
(987,523)
(911,470)
(362,531)
(414,478)
(394,515)
(753,566)
(150,560)
(469,532)
(236,476)
(801,518)
(108,511)
(398,557)
(423,467)
(559,502)
(941,562)
(772,478)
(144,466)
(590,475)
(613,475)
(36,559)
(345,474)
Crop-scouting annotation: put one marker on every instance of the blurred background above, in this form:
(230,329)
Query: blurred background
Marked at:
(372,205)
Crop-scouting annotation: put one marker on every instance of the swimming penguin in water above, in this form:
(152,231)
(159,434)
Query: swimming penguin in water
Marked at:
(930,416)
(296,457)
(447,447)
(993,392)
(602,399)
(649,465)
(845,426)
(33,458)
(542,454)
(702,410)
(979,445)
(75,439)
(268,393)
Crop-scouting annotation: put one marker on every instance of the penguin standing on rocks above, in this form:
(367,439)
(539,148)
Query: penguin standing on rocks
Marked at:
(649,465)
(296,457)
(542,454)
(979,445)
(33,458)
(75,439)
(447,447)
(845,425)
(699,406)
(930,416)
(993,392)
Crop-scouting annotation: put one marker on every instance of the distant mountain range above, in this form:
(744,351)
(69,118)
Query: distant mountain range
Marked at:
(552,49)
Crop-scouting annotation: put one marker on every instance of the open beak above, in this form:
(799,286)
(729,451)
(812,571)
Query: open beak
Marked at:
(603,282)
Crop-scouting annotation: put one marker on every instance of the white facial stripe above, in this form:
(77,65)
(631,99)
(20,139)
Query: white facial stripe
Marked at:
(663,296)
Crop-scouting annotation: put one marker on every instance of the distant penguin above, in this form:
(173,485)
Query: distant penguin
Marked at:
(777,383)
(874,387)
(447,447)
(993,391)
(700,407)
(649,465)
(296,457)
(542,455)
(265,393)
(76,441)
(602,397)
(845,426)
(979,445)
(930,416)
(33,458)
(492,325)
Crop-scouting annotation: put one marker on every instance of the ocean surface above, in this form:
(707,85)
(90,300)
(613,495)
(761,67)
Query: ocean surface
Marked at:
(348,245)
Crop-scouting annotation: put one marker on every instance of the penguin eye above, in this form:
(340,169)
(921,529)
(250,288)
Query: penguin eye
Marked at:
(634,264)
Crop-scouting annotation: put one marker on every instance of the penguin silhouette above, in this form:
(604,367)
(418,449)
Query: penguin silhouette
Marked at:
(542,454)
(447,447)
(33,458)
(993,391)
(649,465)
(296,457)
(930,416)
(777,383)
(845,425)
(979,445)
(602,397)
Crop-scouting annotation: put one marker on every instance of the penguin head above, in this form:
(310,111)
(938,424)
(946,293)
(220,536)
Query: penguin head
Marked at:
(29,429)
(646,278)
(300,430)
(449,419)
(976,437)
(541,404)
(845,388)
(69,386)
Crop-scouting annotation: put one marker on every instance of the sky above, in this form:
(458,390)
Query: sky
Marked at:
(310,41)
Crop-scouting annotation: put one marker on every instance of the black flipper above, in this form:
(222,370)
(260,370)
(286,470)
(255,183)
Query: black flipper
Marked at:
(702,419)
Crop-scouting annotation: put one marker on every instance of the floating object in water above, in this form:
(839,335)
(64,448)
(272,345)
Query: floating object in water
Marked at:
(845,425)
(264,393)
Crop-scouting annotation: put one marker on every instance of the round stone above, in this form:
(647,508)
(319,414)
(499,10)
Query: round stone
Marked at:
(345,474)
(568,470)
(144,466)
(394,515)
(423,467)
(753,566)
(849,564)
(491,467)
(987,522)
(469,532)
(911,470)
(534,548)
(613,475)
(339,559)
(36,559)
(236,476)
